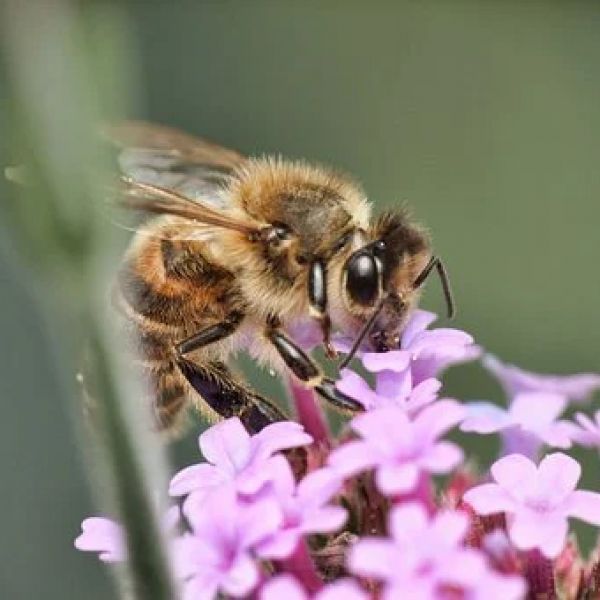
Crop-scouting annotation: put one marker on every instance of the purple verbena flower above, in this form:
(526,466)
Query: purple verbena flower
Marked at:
(410,400)
(423,354)
(400,449)
(104,536)
(537,500)
(107,537)
(236,458)
(304,507)
(285,586)
(424,559)
(217,555)
(515,380)
(531,418)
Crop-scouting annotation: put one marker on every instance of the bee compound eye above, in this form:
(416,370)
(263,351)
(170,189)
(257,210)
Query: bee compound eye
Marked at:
(362,278)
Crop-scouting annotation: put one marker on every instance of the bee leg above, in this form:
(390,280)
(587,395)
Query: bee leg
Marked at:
(210,334)
(305,369)
(317,297)
(228,397)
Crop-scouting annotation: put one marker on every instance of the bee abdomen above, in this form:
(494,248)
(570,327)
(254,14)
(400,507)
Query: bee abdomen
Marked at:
(169,403)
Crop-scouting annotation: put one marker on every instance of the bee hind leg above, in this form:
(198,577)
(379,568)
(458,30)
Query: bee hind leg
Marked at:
(227,396)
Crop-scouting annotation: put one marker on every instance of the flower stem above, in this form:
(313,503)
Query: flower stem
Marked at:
(539,572)
(301,565)
(309,413)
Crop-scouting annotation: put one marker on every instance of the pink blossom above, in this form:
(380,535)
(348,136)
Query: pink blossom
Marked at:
(410,400)
(533,414)
(515,380)
(236,458)
(587,432)
(423,354)
(400,449)
(304,507)
(107,537)
(286,587)
(537,500)
(217,555)
(425,559)
(104,536)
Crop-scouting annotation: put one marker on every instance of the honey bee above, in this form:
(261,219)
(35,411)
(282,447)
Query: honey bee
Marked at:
(241,251)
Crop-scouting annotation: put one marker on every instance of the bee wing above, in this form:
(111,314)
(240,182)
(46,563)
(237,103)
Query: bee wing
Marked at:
(155,199)
(173,160)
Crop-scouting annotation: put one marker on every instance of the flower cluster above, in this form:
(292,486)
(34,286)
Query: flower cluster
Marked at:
(280,515)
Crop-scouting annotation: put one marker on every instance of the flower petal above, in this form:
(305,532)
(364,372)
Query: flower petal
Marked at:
(373,557)
(393,386)
(484,417)
(242,577)
(200,588)
(535,411)
(407,522)
(326,519)
(352,458)
(441,457)
(436,419)
(104,536)
(585,505)
(356,387)
(196,477)
(280,545)
(512,470)
(258,521)
(558,475)
(226,444)
(449,528)
(318,487)
(419,321)
(489,498)
(279,436)
(342,589)
(394,360)
(283,586)
(394,479)
(547,532)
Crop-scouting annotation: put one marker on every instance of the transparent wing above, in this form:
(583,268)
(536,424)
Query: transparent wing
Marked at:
(158,200)
(173,160)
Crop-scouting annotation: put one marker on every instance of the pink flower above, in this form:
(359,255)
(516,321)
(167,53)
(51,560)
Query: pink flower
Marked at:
(587,433)
(285,586)
(425,559)
(304,506)
(514,380)
(236,458)
(104,536)
(400,449)
(217,555)
(423,355)
(537,500)
(411,401)
(534,414)
(107,537)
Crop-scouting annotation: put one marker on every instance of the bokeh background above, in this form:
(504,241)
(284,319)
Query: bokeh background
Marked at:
(483,116)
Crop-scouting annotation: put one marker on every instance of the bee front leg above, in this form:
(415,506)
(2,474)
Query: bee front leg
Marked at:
(317,297)
(306,370)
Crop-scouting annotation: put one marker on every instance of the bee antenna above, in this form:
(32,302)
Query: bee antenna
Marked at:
(361,336)
(435,262)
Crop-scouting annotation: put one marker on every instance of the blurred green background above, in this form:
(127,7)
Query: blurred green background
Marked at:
(483,116)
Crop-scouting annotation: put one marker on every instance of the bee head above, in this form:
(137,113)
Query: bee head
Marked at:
(382,279)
